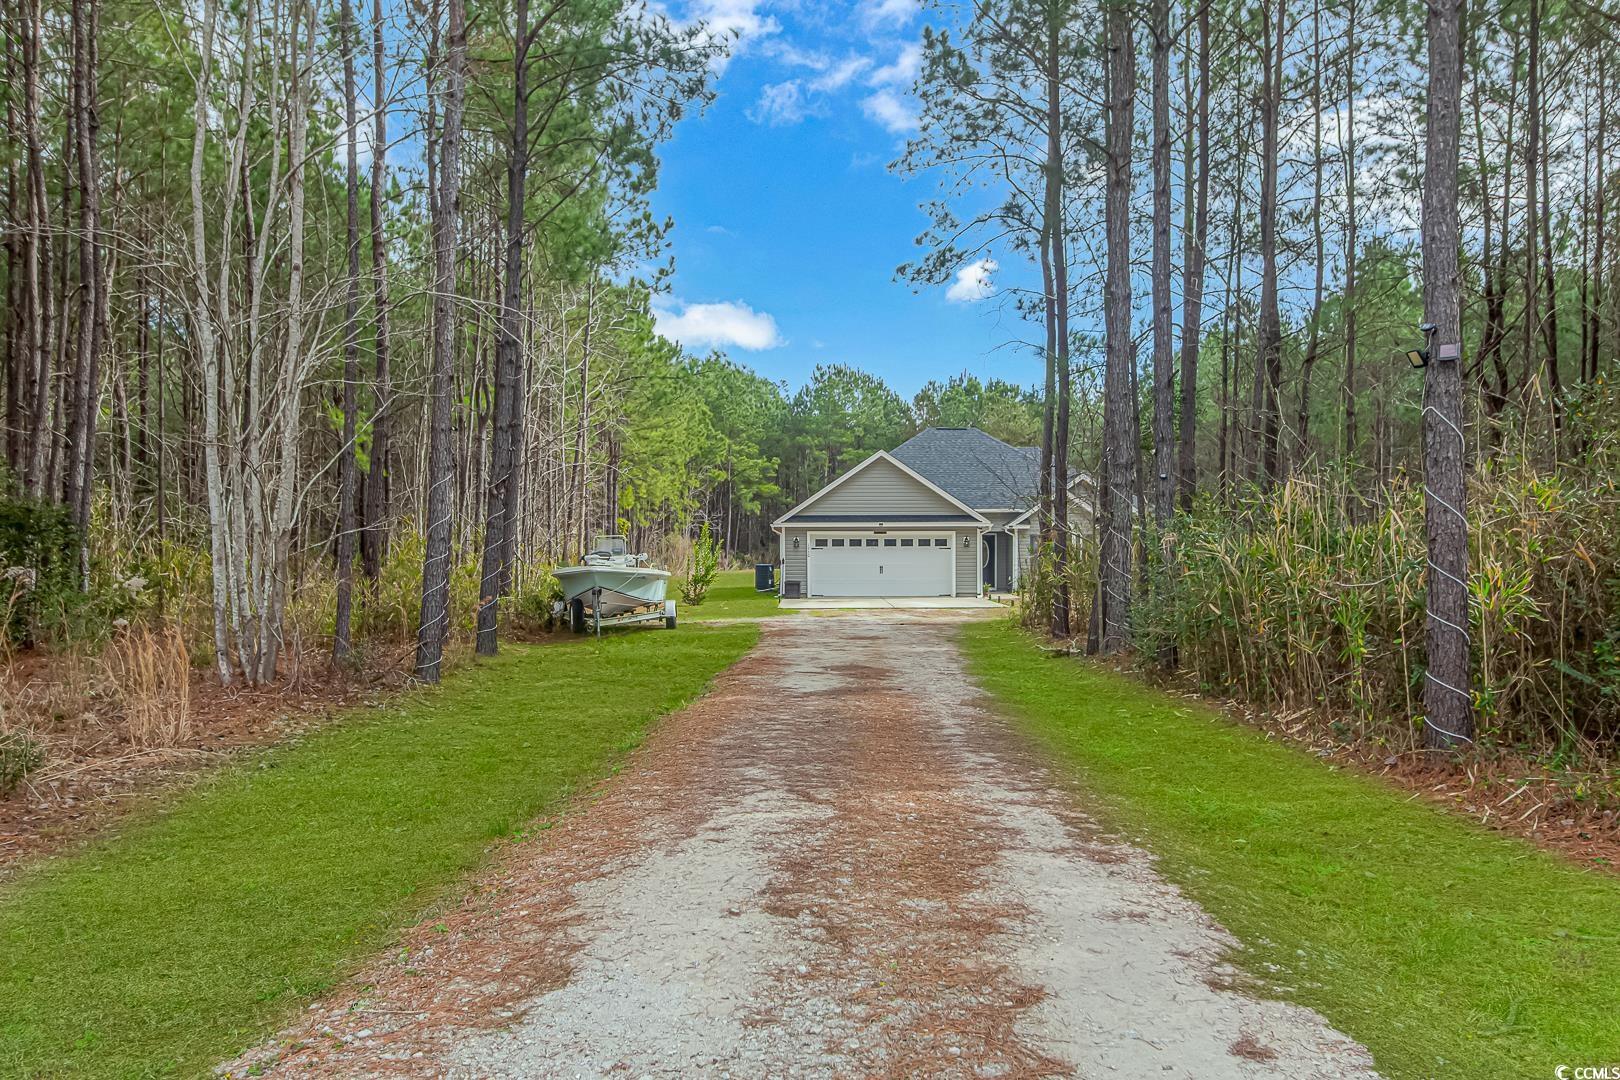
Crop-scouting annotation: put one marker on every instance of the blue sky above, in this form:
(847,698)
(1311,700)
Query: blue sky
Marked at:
(788,223)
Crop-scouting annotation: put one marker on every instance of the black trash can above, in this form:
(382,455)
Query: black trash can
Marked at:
(764,577)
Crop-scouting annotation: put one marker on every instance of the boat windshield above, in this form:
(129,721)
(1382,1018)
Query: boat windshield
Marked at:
(610,545)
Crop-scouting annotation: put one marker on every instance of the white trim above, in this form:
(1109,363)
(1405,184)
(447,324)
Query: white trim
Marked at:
(1021,518)
(903,467)
(978,571)
(886,526)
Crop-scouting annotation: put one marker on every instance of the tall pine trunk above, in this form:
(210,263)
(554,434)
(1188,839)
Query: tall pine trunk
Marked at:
(348,476)
(1194,246)
(374,541)
(434,625)
(1119,411)
(1164,373)
(1447,701)
(501,500)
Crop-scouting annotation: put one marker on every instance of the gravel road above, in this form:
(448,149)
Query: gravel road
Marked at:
(838,863)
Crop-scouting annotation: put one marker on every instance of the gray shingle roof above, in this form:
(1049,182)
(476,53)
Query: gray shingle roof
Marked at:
(976,468)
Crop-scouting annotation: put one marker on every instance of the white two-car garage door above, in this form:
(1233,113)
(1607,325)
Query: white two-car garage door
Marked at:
(864,564)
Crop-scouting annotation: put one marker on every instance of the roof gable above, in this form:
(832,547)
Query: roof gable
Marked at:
(882,488)
(978,469)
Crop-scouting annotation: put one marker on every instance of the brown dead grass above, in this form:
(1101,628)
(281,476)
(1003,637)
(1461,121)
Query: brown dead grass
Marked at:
(138,721)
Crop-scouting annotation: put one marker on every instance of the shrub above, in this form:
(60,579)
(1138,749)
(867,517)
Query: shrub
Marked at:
(20,754)
(531,605)
(1281,599)
(39,561)
(705,564)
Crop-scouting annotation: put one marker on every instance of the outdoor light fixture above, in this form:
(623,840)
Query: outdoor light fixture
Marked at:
(1419,358)
(795,543)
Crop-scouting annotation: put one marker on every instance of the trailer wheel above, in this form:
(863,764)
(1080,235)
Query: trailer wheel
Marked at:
(669,622)
(576,616)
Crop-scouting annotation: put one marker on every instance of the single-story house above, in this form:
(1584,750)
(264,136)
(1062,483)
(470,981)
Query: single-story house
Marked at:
(949,512)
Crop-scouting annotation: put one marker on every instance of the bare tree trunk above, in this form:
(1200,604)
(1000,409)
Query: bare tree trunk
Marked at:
(348,478)
(1164,372)
(502,485)
(1055,206)
(1119,429)
(1594,333)
(434,624)
(84,392)
(1194,246)
(1351,240)
(1314,344)
(374,541)
(36,288)
(1268,359)
(1549,325)
(1049,400)
(1447,701)
(208,359)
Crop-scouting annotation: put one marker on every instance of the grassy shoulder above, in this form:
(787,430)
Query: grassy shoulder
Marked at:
(732,596)
(1446,949)
(194,931)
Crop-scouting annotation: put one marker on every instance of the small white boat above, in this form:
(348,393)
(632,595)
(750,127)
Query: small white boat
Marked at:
(613,586)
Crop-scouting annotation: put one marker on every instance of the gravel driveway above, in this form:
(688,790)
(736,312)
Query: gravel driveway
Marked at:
(838,863)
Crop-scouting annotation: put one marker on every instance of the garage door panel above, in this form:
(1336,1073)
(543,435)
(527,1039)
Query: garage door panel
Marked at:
(854,564)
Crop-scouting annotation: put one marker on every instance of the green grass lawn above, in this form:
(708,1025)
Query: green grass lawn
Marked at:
(1446,949)
(197,929)
(732,596)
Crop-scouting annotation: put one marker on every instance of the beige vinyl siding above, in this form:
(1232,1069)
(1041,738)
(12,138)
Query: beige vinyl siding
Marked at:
(967,562)
(882,487)
(795,564)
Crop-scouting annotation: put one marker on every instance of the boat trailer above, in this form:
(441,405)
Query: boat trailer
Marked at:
(585,614)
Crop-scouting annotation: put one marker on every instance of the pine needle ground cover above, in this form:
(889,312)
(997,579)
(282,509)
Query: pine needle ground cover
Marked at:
(1447,950)
(193,932)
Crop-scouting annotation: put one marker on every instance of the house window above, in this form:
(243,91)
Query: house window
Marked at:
(890,543)
(838,541)
(821,541)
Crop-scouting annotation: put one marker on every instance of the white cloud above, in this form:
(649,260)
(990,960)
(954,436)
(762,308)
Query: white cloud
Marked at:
(973,282)
(891,110)
(728,323)
(839,75)
(887,12)
(779,104)
(735,24)
(903,71)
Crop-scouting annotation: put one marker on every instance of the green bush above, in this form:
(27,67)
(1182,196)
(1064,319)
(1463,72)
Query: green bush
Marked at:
(705,564)
(20,754)
(531,606)
(39,566)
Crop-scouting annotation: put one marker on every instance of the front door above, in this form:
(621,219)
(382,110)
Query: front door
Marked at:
(989,577)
